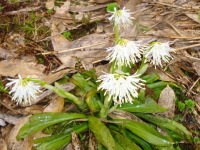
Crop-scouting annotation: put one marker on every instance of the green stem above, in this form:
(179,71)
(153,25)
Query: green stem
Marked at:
(106,102)
(61,93)
(116,30)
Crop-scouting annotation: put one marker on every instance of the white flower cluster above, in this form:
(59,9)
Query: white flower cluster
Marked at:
(125,53)
(122,17)
(128,52)
(120,88)
(158,52)
(23,91)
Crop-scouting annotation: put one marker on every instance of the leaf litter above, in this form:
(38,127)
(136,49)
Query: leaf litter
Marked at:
(170,20)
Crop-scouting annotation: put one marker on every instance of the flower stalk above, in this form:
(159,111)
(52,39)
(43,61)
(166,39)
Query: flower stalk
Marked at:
(61,93)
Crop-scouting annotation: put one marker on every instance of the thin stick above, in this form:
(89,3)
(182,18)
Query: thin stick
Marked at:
(193,85)
(73,49)
(185,47)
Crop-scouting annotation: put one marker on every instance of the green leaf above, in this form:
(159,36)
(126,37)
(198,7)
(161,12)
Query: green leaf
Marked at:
(101,133)
(150,78)
(157,85)
(38,122)
(181,106)
(149,106)
(55,142)
(165,147)
(111,6)
(28,28)
(124,143)
(50,11)
(167,124)
(67,34)
(196,139)
(92,101)
(78,80)
(189,103)
(147,132)
(58,141)
(137,140)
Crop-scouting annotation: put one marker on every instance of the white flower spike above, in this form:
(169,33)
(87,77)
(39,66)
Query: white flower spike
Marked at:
(120,88)
(158,52)
(23,91)
(122,17)
(125,53)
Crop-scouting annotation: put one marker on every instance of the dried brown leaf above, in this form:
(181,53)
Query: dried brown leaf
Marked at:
(13,67)
(9,118)
(3,145)
(162,75)
(92,142)
(193,16)
(13,144)
(82,8)
(6,54)
(62,11)
(34,109)
(50,4)
(167,100)
(196,67)
(166,1)
(119,114)
(76,144)
(94,53)
(56,105)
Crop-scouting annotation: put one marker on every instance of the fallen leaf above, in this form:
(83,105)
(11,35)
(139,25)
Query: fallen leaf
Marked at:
(119,114)
(62,11)
(13,67)
(24,10)
(82,8)
(3,145)
(193,16)
(162,75)
(166,1)
(50,4)
(92,142)
(33,109)
(89,55)
(9,118)
(167,100)
(13,144)
(2,122)
(6,54)
(76,144)
(56,105)
(196,66)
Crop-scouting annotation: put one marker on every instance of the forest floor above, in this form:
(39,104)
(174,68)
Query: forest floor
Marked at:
(47,39)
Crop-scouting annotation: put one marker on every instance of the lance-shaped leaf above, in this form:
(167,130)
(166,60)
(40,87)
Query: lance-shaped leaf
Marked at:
(150,78)
(149,106)
(58,141)
(78,80)
(38,122)
(167,124)
(147,132)
(123,143)
(101,133)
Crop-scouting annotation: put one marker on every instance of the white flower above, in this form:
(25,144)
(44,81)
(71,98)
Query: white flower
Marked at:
(23,91)
(125,53)
(158,52)
(120,88)
(122,17)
